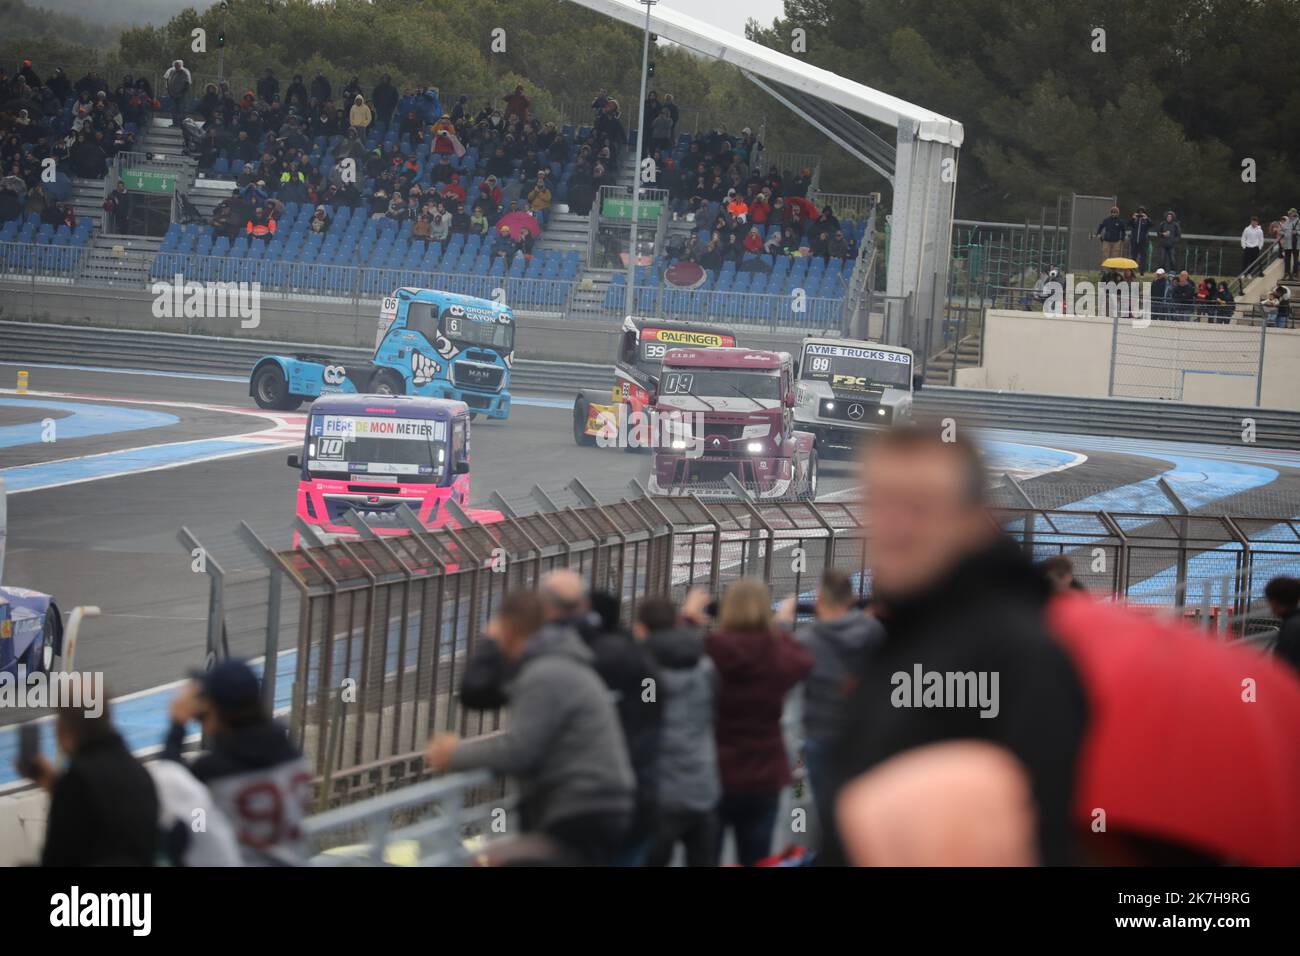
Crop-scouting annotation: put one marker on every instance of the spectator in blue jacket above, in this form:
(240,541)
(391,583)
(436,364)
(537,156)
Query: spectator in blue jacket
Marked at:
(838,639)
(1139,229)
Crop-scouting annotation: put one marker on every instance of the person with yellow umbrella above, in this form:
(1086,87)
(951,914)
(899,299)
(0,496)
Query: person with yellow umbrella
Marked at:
(1120,270)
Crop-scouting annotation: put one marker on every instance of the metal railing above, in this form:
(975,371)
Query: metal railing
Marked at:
(847,205)
(393,619)
(426,824)
(758,310)
(25,261)
(281,278)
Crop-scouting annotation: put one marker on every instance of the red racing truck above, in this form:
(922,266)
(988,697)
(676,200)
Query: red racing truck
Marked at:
(730,411)
(600,417)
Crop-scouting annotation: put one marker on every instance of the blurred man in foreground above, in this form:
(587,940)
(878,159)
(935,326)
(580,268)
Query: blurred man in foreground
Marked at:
(967,658)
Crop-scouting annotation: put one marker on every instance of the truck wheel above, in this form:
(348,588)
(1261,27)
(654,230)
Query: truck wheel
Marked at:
(271,391)
(808,487)
(43,654)
(387,382)
(580,413)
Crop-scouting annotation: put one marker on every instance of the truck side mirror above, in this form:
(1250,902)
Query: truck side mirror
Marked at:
(293,461)
(917,382)
(461,468)
(654,397)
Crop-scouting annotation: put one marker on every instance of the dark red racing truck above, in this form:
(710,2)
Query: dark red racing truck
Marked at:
(730,411)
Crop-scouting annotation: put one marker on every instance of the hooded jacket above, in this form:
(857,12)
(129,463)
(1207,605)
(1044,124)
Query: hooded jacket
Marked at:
(103,810)
(985,617)
(837,648)
(243,768)
(688,756)
(563,743)
(756,671)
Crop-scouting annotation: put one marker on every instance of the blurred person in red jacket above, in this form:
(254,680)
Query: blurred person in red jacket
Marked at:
(758,663)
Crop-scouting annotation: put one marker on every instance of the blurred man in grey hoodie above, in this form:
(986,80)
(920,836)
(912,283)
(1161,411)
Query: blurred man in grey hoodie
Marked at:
(688,784)
(838,639)
(563,743)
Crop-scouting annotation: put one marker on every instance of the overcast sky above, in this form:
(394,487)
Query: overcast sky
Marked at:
(730,15)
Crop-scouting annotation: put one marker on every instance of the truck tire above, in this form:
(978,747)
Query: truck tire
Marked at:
(580,413)
(271,390)
(45,653)
(808,484)
(387,382)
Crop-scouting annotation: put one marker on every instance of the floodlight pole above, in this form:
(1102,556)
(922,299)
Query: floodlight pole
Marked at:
(636,174)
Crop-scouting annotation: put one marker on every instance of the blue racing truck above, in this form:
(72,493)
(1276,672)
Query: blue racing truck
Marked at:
(432,344)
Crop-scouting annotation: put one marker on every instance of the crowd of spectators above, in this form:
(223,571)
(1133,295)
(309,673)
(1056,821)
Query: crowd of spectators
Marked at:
(642,743)
(79,125)
(399,155)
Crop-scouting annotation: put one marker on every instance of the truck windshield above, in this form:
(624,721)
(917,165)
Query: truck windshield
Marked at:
(477,327)
(357,447)
(849,368)
(721,383)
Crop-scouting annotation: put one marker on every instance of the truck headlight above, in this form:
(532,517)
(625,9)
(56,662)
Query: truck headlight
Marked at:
(754,447)
(830,406)
(880,411)
(678,443)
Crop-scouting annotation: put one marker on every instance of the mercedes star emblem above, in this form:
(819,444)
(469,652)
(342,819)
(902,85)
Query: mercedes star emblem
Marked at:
(855,411)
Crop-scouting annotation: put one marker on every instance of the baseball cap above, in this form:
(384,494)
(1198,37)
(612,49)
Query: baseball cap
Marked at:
(1160,272)
(230,685)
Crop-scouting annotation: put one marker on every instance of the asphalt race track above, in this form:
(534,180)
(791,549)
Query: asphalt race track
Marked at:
(94,515)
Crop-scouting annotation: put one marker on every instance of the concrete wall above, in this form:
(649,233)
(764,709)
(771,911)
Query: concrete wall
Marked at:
(315,321)
(1188,361)
(1033,352)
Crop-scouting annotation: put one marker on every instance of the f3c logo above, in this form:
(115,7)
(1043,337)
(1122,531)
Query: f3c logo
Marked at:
(334,374)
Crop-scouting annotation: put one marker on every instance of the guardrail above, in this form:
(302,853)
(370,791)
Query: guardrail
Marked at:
(209,355)
(398,617)
(425,824)
(1113,417)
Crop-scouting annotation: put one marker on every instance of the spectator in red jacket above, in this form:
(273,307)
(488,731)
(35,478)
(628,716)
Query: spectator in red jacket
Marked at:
(517,103)
(757,665)
(490,195)
(754,241)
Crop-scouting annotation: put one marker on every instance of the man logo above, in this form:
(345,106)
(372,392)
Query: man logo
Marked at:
(856,411)
(334,374)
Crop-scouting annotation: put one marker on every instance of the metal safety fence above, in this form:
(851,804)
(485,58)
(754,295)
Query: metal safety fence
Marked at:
(370,635)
